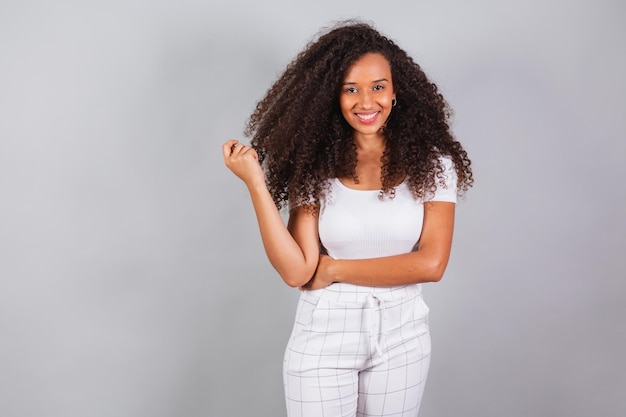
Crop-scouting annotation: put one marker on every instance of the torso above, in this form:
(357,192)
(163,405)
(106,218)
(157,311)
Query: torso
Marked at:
(356,224)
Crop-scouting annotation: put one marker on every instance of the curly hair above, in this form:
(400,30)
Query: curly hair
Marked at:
(303,140)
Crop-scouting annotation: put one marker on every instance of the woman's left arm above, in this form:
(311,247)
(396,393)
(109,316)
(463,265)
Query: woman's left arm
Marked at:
(427,264)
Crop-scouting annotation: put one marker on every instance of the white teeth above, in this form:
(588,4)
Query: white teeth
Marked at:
(367,116)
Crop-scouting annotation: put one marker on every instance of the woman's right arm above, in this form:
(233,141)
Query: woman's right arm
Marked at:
(292,250)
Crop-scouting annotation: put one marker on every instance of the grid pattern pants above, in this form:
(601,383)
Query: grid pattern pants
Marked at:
(357,351)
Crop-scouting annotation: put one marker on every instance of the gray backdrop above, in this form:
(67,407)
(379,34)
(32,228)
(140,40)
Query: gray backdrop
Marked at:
(133,281)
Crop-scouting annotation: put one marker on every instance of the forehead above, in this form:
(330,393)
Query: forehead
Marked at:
(369,67)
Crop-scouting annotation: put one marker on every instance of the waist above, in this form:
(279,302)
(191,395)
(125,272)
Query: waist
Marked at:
(350,293)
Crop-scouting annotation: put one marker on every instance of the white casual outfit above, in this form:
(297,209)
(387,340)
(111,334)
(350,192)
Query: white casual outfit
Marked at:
(359,350)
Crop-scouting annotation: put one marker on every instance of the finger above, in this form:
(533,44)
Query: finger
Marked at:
(254,153)
(239,149)
(242,150)
(227,148)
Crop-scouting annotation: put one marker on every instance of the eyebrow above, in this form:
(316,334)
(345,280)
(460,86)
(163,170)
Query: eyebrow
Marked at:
(375,81)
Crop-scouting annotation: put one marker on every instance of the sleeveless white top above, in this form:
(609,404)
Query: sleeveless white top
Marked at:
(356,224)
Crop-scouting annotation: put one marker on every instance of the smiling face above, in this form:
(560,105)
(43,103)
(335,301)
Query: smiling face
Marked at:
(366,95)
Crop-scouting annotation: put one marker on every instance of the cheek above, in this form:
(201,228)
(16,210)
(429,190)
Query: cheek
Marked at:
(345,105)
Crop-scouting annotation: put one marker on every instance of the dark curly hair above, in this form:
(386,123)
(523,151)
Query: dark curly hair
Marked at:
(303,140)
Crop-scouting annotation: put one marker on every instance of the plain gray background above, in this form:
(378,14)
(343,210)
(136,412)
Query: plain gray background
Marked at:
(133,281)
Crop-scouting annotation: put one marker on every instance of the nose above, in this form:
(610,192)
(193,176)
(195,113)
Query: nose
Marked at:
(365,100)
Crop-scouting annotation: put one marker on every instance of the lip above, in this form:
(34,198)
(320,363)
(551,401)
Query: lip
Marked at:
(367,117)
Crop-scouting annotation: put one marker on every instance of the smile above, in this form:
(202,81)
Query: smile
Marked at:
(367,117)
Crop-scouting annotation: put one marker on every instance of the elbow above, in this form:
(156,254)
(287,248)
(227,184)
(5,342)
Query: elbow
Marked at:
(432,263)
(436,270)
(293,275)
(295,280)
(436,277)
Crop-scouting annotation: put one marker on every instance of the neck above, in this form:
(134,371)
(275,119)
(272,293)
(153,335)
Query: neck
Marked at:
(370,143)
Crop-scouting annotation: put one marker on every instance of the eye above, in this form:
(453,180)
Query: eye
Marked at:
(351,90)
(378,87)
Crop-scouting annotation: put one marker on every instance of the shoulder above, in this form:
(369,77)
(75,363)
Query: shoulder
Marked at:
(310,199)
(445,182)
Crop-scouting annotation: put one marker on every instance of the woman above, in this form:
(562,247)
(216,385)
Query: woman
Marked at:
(354,139)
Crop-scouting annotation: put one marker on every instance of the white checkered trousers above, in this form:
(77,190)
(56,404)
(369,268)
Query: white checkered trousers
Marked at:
(358,351)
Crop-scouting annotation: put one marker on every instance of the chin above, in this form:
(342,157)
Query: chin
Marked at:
(372,130)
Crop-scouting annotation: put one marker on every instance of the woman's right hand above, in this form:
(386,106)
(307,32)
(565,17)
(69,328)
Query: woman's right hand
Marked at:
(243,161)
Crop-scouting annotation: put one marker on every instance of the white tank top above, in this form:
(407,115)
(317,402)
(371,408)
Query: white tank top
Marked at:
(356,224)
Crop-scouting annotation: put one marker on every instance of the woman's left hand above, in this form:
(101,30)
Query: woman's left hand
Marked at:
(322,278)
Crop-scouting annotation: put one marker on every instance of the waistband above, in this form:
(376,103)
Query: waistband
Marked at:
(350,293)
